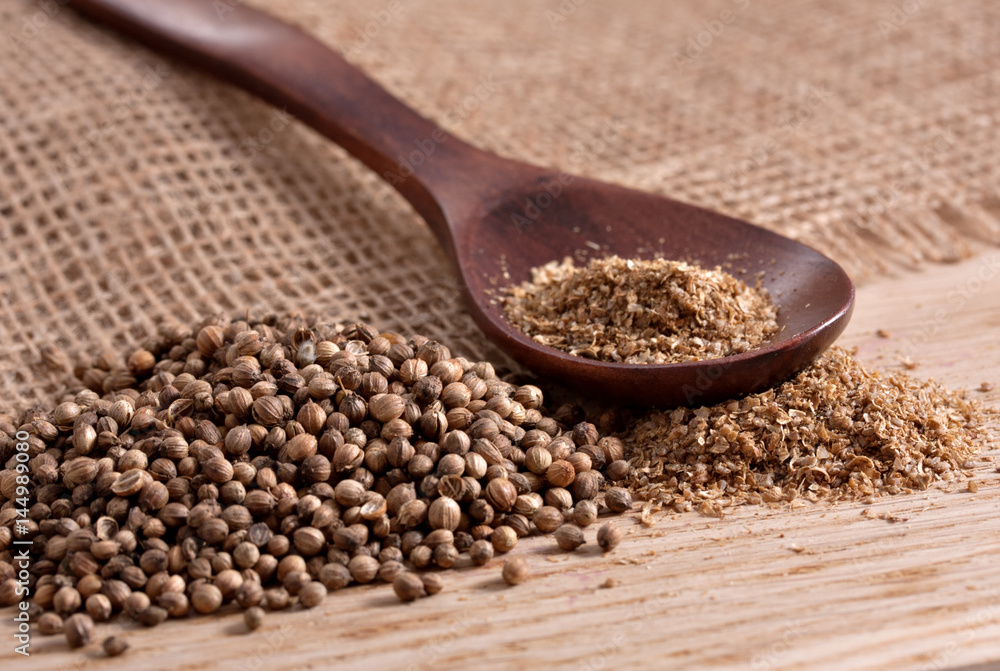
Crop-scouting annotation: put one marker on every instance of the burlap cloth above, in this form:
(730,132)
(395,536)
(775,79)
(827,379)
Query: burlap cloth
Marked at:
(134,190)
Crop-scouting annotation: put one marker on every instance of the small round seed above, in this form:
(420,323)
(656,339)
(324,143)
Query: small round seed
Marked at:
(608,537)
(516,570)
(432,583)
(206,598)
(569,537)
(312,594)
(444,513)
(253,617)
(481,552)
(78,629)
(501,494)
(266,466)
(152,616)
(445,556)
(66,601)
(408,586)
(560,473)
(50,624)
(585,513)
(548,519)
(176,604)
(504,539)
(363,568)
(136,603)
(618,499)
(277,598)
(335,576)
(296,581)
(114,646)
(617,470)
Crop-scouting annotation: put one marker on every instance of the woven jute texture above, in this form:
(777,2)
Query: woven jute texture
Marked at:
(135,191)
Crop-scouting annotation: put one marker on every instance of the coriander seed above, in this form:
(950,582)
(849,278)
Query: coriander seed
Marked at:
(115,593)
(408,586)
(585,513)
(152,616)
(445,556)
(78,629)
(66,601)
(296,581)
(504,539)
(50,624)
(228,581)
(608,537)
(206,598)
(364,569)
(516,570)
(277,598)
(335,576)
(560,473)
(617,470)
(569,537)
(618,499)
(444,513)
(136,603)
(389,570)
(501,494)
(114,646)
(537,460)
(421,556)
(253,617)
(432,583)
(481,552)
(176,604)
(312,594)
(548,519)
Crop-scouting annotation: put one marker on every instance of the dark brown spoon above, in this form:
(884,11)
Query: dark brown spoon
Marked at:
(475,202)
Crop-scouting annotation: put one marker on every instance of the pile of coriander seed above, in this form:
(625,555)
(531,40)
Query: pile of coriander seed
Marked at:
(268,462)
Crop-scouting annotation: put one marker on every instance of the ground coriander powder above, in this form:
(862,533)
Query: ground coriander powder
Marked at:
(835,431)
(640,311)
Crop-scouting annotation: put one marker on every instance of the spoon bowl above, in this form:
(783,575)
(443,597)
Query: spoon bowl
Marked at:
(498,218)
(590,219)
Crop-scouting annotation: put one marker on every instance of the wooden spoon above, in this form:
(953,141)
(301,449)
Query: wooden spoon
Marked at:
(498,218)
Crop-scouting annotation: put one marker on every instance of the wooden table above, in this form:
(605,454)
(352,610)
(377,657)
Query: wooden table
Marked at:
(911,582)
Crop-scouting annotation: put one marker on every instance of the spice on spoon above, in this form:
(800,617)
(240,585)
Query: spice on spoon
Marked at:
(640,311)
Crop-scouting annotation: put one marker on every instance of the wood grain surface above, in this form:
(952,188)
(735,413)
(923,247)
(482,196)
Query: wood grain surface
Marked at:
(905,583)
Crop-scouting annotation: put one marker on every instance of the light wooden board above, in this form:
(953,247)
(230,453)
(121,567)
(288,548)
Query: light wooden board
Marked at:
(823,587)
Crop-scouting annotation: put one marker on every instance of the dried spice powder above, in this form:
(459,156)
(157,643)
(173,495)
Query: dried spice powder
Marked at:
(835,431)
(269,462)
(641,311)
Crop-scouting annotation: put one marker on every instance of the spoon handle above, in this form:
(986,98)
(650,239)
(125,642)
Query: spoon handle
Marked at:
(435,171)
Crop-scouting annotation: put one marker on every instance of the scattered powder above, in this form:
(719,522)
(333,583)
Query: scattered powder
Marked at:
(636,311)
(836,431)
